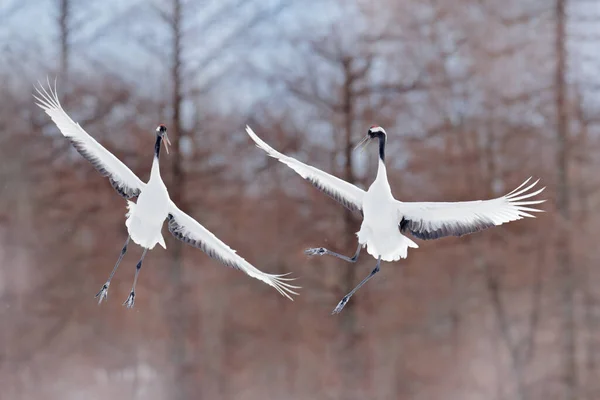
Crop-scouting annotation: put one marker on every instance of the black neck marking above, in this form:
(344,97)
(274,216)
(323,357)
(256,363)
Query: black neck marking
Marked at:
(157,146)
(381,137)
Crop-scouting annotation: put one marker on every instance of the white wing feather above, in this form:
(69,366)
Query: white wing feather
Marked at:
(188,230)
(435,220)
(347,194)
(122,178)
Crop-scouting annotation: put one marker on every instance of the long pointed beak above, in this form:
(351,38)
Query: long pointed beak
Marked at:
(167,143)
(363,143)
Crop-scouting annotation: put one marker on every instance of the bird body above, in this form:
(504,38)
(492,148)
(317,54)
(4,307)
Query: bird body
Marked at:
(387,220)
(379,229)
(146,217)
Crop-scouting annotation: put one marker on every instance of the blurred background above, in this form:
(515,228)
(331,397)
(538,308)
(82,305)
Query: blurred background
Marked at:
(476,96)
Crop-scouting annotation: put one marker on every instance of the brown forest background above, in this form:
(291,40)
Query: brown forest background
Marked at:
(476,96)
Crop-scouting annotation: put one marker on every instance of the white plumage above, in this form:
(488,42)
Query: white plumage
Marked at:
(379,230)
(346,193)
(432,220)
(385,219)
(146,217)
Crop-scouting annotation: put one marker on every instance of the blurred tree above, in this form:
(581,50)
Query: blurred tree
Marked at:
(567,277)
(471,100)
(63,22)
(189,70)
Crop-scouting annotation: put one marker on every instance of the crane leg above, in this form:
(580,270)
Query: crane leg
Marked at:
(344,300)
(131,299)
(104,291)
(321,251)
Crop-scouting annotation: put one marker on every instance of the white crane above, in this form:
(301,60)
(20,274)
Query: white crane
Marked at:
(385,219)
(145,218)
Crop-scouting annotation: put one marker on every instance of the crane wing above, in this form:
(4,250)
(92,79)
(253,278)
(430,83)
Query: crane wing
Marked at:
(188,230)
(345,193)
(435,220)
(125,182)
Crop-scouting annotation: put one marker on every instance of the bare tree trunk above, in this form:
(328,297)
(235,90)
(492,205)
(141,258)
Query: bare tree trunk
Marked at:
(513,346)
(493,280)
(350,339)
(176,308)
(63,23)
(562,202)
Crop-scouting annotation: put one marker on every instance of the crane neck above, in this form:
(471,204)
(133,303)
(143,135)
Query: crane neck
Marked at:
(382,140)
(157,146)
(381,171)
(155,163)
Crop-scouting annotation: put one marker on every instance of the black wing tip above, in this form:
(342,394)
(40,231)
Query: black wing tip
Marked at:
(279,282)
(418,231)
(177,231)
(123,190)
(334,195)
